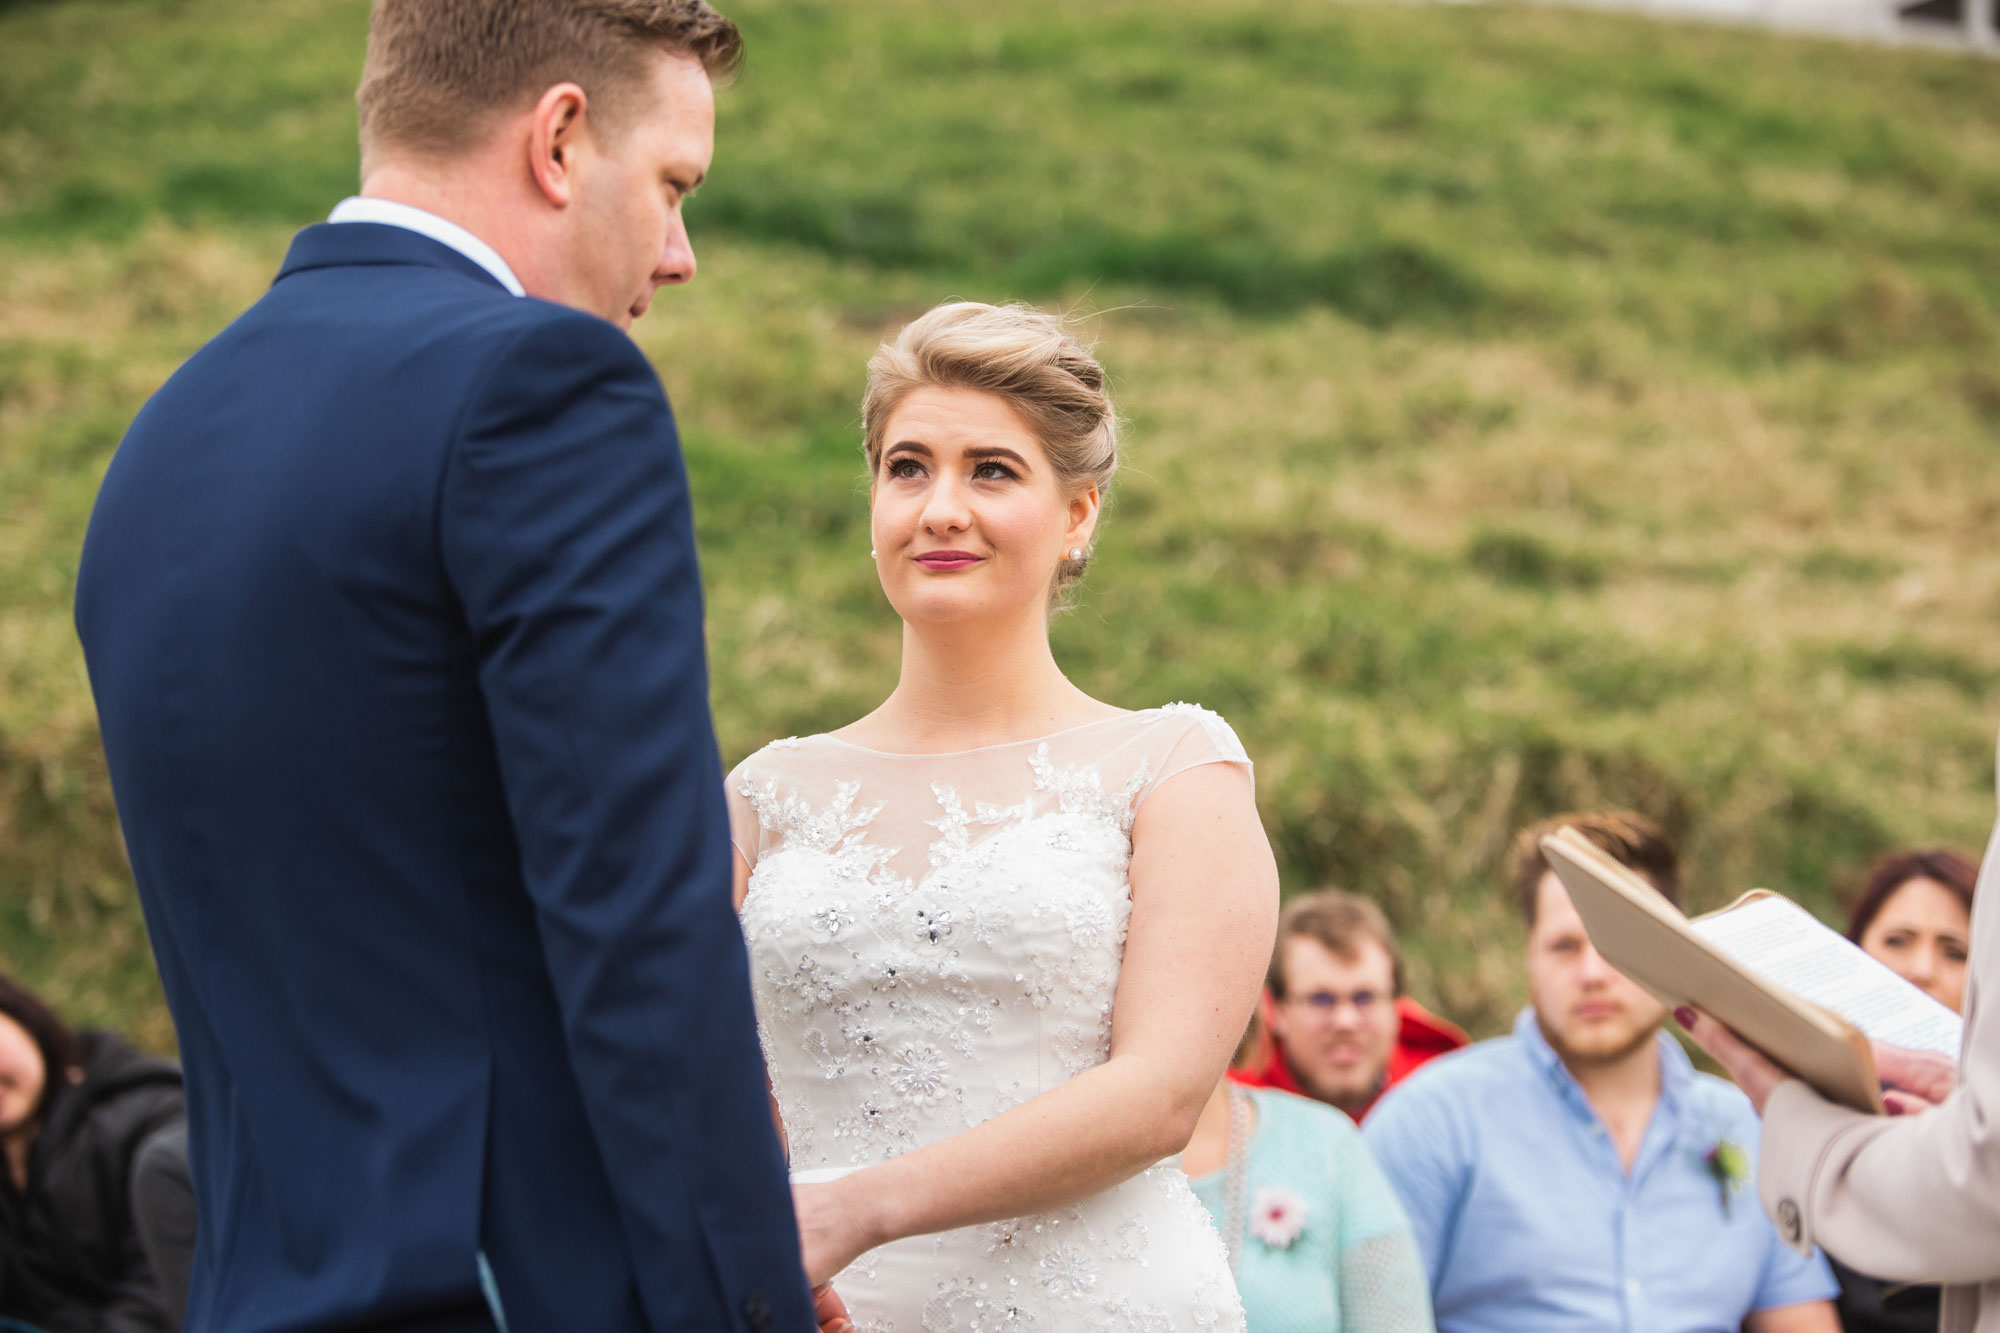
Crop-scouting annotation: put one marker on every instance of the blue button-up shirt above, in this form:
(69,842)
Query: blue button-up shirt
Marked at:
(1529,1223)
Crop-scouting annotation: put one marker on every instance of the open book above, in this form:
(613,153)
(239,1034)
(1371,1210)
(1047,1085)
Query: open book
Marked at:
(1790,986)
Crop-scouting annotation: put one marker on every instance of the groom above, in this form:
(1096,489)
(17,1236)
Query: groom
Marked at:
(391,611)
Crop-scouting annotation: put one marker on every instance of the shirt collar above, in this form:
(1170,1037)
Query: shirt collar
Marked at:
(1676,1070)
(389,213)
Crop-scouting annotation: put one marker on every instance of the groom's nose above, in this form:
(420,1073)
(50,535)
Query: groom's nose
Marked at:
(676,264)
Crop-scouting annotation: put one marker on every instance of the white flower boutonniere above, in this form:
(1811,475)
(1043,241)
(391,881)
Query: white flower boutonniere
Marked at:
(1277,1217)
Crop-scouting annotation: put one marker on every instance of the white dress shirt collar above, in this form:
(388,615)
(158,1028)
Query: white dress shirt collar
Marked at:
(391,214)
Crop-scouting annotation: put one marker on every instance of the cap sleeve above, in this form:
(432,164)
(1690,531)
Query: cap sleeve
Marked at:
(1199,737)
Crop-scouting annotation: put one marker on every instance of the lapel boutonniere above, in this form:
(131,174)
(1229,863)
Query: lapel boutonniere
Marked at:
(1277,1217)
(1730,1166)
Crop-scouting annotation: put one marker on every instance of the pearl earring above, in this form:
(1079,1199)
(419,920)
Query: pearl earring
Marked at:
(1076,553)
(871,553)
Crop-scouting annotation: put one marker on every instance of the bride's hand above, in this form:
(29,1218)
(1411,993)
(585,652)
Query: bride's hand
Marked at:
(832,1231)
(831,1311)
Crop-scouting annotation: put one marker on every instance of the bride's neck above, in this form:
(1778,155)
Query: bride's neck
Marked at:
(963,685)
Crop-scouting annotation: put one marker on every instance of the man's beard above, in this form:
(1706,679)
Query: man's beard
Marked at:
(1596,1052)
(1351,1093)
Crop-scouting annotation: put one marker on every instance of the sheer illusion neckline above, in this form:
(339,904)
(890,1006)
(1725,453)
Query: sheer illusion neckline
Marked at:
(982,749)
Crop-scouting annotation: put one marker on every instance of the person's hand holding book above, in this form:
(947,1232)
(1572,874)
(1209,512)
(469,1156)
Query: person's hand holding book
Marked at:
(1912,1081)
(1753,1071)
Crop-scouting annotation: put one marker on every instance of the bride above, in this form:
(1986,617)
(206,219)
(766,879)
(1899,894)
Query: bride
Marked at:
(1003,936)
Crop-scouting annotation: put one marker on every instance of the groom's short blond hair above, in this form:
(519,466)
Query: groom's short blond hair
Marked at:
(439,71)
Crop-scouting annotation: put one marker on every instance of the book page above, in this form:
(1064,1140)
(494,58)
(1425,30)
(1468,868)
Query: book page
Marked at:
(1788,946)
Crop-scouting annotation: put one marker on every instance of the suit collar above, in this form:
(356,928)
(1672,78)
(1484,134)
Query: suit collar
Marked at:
(349,244)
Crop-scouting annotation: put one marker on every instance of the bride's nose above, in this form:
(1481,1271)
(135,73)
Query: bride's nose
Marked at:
(945,508)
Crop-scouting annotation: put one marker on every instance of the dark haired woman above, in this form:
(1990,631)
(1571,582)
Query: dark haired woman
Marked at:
(75,1110)
(1915,914)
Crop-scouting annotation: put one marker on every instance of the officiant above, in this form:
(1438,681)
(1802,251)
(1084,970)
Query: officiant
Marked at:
(1913,1196)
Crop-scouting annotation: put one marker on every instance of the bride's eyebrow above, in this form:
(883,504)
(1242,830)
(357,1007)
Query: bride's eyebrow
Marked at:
(984,452)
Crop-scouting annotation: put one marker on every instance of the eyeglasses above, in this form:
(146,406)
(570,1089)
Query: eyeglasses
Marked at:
(1326,1003)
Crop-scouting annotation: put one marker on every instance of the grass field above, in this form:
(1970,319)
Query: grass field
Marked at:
(1529,408)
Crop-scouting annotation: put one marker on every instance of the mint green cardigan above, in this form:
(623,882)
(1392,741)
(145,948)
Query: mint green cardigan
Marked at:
(1354,1268)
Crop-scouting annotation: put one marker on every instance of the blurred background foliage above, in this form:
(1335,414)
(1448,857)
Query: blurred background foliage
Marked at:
(1529,408)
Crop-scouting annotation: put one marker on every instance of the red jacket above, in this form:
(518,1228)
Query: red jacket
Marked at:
(1422,1037)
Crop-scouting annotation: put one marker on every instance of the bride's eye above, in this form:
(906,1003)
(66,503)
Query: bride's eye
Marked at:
(993,472)
(904,467)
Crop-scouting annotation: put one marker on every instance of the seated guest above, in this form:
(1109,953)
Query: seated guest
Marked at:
(75,1110)
(1317,1241)
(1340,1028)
(1915,915)
(163,1206)
(1580,1175)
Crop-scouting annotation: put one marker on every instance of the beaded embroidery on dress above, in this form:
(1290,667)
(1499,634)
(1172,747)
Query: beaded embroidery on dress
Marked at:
(937,938)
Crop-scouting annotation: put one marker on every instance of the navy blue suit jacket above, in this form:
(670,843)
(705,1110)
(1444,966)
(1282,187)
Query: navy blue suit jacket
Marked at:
(392,615)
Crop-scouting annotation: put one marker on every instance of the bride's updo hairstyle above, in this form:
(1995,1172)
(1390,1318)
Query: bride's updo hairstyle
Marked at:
(1028,358)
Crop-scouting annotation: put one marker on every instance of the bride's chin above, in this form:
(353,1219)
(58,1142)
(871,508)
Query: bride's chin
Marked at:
(944,609)
(918,617)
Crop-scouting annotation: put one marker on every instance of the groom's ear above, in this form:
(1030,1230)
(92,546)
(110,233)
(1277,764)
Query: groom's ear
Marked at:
(554,130)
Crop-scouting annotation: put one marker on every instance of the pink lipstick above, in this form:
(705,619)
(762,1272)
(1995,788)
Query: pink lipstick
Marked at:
(943,562)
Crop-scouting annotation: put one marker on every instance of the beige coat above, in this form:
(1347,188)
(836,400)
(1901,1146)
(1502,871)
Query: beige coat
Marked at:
(1913,1199)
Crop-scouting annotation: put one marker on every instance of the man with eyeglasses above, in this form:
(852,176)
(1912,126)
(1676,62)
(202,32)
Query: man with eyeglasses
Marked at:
(1341,1029)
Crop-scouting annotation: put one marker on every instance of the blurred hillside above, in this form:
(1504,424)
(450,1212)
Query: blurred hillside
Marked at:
(1530,408)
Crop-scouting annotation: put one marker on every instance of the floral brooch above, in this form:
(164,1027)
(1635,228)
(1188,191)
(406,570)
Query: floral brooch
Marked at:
(1730,1166)
(1277,1217)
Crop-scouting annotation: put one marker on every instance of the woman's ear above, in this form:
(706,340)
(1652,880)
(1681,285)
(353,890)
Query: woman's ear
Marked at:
(1083,511)
(554,128)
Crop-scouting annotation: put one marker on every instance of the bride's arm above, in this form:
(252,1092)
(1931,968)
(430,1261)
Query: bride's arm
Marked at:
(742,877)
(742,835)
(1204,912)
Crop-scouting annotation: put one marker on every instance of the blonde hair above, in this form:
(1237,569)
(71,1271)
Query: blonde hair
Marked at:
(1028,358)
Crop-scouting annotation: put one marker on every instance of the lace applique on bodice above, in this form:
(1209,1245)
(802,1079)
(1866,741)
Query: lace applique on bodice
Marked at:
(937,938)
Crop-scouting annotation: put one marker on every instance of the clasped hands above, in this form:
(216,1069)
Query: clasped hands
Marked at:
(1912,1081)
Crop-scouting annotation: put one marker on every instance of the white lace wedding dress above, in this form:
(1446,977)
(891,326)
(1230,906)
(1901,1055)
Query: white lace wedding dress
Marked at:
(936,938)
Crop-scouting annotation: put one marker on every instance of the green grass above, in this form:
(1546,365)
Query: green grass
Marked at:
(1530,408)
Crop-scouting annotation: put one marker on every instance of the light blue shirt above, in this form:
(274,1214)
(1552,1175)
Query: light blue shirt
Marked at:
(1528,1222)
(389,213)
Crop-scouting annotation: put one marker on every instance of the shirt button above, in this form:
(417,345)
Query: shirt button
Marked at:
(1632,1287)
